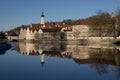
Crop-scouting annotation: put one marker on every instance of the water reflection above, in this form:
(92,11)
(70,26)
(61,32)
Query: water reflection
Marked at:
(80,54)
(99,58)
(45,49)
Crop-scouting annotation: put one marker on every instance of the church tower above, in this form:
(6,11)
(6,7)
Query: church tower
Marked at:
(42,18)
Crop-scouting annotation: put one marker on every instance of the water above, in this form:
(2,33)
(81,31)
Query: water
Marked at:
(56,61)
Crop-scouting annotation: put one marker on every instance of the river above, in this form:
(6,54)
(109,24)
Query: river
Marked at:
(60,61)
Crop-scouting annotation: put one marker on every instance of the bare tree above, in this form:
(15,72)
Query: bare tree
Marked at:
(103,24)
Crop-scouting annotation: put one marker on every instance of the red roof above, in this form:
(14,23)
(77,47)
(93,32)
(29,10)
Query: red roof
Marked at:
(48,27)
(37,25)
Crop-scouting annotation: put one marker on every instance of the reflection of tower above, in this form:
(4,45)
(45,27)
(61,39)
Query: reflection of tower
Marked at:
(42,18)
(42,59)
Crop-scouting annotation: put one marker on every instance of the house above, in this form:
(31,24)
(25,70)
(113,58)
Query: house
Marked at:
(12,36)
(23,33)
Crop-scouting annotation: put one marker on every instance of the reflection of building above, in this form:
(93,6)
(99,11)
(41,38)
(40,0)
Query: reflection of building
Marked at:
(80,54)
(46,49)
(28,48)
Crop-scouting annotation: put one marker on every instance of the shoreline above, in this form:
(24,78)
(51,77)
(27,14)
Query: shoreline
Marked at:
(72,41)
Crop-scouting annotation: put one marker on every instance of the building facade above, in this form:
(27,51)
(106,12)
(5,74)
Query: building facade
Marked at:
(43,31)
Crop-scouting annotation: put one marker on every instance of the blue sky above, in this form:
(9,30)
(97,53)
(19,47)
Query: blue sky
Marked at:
(14,13)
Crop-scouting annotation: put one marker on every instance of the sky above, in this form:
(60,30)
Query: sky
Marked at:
(14,13)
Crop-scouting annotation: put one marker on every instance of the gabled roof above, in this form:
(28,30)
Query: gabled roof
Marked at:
(35,27)
(12,34)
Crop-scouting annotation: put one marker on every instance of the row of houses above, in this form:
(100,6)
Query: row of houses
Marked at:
(57,31)
(43,31)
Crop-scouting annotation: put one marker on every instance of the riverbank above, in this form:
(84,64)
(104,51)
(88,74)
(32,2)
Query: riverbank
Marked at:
(93,41)
(82,42)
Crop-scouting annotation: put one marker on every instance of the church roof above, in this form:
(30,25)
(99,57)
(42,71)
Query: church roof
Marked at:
(37,26)
(48,27)
(57,29)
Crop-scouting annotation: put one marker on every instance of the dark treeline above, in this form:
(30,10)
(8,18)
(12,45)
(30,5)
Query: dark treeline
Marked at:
(2,35)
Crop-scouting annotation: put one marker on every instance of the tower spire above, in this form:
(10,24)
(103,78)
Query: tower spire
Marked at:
(42,18)
(42,14)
